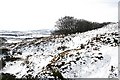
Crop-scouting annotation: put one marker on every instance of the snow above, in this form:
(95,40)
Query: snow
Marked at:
(111,55)
(13,41)
(40,52)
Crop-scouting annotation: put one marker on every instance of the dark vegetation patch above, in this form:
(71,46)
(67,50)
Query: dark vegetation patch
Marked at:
(4,51)
(5,59)
(61,48)
(15,52)
(10,58)
(57,75)
(113,73)
(99,57)
(107,39)
(7,76)
(82,46)
(2,63)
(70,25)
(2,41)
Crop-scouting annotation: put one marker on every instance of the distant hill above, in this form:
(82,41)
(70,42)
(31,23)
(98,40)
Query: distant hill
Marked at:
(24,34)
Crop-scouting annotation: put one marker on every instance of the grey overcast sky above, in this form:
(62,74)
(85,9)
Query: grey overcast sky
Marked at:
(42,14)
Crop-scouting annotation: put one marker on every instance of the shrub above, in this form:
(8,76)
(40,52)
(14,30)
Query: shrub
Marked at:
(70,25)
(4,51)
(2,63)
(7,76)
(2,40)
(57,75)
(11,58)
(61,48)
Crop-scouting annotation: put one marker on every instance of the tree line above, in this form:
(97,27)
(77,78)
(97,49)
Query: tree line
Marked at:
(70,25)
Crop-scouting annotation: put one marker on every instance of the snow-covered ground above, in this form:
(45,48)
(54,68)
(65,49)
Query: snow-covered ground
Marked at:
(92,54)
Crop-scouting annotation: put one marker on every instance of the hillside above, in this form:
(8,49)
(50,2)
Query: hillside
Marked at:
(92,54)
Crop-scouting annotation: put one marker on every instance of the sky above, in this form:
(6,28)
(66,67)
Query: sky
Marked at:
(119,11)
(22,15)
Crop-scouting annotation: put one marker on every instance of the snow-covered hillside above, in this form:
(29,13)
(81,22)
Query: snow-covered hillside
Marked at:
(92,54)
(25,34)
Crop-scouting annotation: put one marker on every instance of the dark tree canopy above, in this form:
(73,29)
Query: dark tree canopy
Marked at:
(70,25)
